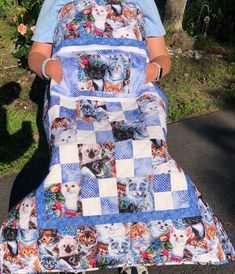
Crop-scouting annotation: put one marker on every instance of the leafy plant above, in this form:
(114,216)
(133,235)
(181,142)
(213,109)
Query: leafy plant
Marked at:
(23,14)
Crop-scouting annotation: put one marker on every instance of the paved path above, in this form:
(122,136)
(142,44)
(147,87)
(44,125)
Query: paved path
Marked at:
(204,146)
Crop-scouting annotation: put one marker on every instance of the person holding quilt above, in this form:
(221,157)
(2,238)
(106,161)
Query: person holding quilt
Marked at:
(113,198)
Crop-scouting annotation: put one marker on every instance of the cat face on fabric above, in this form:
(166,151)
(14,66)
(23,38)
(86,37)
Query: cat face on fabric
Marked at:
(28,251)
(66,137)
(48,262)
(160,227)
(26,206)
(71,188)
(67,246)
(180,236)
(124,32)
(137,188)
(118,247)
(89,153)
(85,85)
(116,69)
(48,237)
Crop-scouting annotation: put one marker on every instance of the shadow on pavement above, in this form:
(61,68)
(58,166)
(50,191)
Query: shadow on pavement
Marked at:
(36,169)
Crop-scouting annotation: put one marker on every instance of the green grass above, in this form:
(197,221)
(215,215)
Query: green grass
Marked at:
(193,87)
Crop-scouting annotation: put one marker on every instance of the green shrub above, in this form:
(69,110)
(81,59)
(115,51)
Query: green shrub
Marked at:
(24,15)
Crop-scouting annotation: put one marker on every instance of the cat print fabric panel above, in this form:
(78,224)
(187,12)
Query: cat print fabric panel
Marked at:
(102,70)
(100,19)
(116,159)
(197,240)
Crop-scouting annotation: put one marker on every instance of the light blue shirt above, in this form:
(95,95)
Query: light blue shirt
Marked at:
(48,16)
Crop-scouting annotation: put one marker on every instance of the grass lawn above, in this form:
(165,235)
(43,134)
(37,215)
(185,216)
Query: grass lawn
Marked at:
(193,87)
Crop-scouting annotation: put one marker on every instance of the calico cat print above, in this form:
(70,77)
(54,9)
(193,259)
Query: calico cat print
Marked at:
(106,73)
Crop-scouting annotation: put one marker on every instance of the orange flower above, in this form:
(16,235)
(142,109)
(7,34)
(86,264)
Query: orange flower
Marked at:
(33,28)
(22,29)
(14,18)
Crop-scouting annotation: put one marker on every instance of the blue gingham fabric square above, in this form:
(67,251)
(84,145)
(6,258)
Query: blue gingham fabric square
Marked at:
(151,119)
(132,114)
(65,112)
(83,125)
(109,205)
(104,136)
(55,156)
(143,167)
(124,150)
(70,172)
(54,100)
(162,183)
(180,199)
(113,106)
(89,188)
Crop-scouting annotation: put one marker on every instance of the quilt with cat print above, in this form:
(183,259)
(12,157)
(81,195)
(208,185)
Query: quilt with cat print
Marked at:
(114,196)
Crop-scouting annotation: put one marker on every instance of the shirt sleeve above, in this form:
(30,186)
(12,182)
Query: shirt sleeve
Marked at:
(153,22)
(47,20)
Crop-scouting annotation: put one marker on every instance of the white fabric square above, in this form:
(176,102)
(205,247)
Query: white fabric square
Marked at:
(70,104)
(53,113)
(155,132)
(102,126)
(86,137)
(178,181)
(54,176)
(116,116)
(107,187)
(142,148)
(125,168)
(129,105)
(91,207)
(68,154)
(163,201)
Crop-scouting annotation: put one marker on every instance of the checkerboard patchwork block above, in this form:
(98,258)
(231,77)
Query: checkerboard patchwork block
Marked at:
(129,105)
(125,168)
(104,136)
(155,132)
(116,116)
(142,148)
(102,126)
(132,114)
(68,104)
(65,112)
(53,113)
(86,137)
(68,154)
(89,188)
(162,182)
(180,199)
(55,156)
(124,150)
(91,206)
(83,125)
(108,187)
(143,167)
(152,120)
(71,172)
(114,106)
(109,205)
(163,201)
(178,181)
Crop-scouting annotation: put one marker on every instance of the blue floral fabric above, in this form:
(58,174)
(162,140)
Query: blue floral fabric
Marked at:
(113,196)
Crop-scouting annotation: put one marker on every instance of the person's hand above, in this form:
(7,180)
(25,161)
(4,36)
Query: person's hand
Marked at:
(53,69)
(151,72)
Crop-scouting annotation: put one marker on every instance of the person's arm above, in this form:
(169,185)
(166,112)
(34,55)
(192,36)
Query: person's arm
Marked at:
(158,53)
(38,53)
